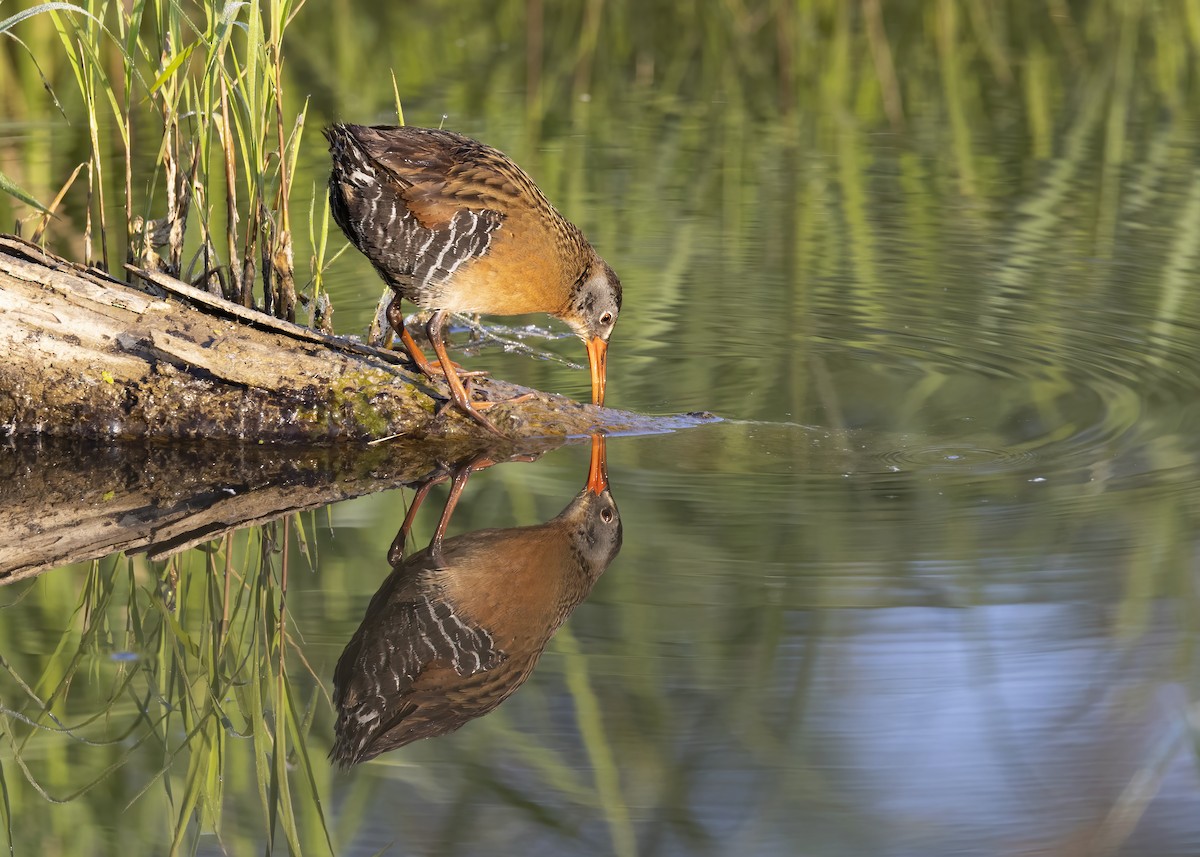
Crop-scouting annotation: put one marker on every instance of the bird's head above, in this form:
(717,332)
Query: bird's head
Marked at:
(592,311)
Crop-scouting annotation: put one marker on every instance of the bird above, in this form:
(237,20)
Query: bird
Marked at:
(456,628)
(454,225)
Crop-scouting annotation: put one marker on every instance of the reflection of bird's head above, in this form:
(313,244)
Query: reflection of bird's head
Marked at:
(594,524)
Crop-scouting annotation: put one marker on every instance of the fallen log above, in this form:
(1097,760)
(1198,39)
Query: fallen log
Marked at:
(85,355)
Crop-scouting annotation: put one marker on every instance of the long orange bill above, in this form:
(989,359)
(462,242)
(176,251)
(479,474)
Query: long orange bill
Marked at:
(597,350)
(598,469)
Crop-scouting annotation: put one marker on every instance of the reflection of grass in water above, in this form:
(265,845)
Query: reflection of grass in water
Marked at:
(600,752)
(189,659)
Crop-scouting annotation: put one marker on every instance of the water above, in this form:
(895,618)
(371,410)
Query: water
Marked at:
(929,587)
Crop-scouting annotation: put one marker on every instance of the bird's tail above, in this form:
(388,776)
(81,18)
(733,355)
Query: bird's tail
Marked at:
(353,179)
(351,164)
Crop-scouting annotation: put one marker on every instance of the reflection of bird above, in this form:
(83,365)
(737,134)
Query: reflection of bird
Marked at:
(459,626)
(455,226)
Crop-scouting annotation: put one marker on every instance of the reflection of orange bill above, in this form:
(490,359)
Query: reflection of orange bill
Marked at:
(597,470)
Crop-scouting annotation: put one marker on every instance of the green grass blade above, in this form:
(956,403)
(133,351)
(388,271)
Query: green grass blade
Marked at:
(10,187)
(399,106)
(300,730)
(6,809)
(173,66)
(10,22)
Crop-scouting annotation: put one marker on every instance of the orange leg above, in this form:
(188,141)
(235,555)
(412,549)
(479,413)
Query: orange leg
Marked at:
(458,392)
(395,317)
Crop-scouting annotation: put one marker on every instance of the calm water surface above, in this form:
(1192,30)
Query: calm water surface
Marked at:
(929,589)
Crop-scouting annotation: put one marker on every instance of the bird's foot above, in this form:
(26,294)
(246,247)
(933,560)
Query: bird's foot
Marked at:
(484,404)
(475,408)
(471,409)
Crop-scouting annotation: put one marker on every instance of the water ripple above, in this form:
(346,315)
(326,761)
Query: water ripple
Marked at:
(1062,393)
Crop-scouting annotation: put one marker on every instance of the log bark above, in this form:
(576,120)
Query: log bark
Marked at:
(85,355)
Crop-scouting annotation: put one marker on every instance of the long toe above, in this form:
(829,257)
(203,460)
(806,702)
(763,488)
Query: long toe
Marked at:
(473,411)
(470,409)
(488,403)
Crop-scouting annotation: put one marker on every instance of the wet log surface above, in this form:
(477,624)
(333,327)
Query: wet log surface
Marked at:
(85,355)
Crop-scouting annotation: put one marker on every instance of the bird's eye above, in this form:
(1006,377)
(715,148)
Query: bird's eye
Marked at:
(606,515)
(606,319)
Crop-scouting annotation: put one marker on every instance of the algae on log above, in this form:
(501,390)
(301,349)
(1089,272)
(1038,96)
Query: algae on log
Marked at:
(83,354)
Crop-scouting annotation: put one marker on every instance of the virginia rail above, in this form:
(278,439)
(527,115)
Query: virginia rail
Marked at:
(455,226)
(458,627)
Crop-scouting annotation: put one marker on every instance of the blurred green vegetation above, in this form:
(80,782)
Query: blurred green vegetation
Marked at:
(845,214)
(675,112)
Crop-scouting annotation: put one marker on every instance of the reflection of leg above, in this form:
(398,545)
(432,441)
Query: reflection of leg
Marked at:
(456,488)
(461,474)
(396,551)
